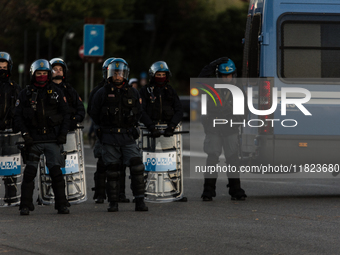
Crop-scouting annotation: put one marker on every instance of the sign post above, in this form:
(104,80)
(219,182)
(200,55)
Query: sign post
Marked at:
(93,50)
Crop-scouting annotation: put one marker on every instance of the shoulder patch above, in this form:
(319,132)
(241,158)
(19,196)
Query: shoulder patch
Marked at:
(49,91)
(17,102)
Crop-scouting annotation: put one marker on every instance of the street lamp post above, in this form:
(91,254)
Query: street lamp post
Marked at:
(69,36)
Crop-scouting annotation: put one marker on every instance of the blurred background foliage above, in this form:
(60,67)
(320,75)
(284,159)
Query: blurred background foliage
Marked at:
(187,34)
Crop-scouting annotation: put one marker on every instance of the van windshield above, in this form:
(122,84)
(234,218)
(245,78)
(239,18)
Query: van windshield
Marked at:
(309,47)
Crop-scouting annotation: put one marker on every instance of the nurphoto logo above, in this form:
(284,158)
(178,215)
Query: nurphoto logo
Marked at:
(238,105)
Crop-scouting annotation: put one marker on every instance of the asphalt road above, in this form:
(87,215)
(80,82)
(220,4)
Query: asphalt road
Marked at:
(280,216)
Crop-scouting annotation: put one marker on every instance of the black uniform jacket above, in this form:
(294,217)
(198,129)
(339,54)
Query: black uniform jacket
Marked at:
(9,92)
(160,105)
(112,117)
(44,118)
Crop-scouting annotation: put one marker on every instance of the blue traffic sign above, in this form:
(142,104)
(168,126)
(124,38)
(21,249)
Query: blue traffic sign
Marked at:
(94,36)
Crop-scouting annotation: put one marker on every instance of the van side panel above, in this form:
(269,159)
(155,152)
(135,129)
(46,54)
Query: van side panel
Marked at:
(316,138)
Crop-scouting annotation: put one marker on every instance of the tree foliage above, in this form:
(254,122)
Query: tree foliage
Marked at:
(188,34)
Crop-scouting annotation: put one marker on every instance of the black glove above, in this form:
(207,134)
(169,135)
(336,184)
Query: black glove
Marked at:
(28,140)
(135,133)
(61,139)
(73,124)
(209,70)
(168,132)
(155,133)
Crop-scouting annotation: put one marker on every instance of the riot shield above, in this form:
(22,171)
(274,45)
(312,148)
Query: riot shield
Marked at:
(74,172)
(163,161)
(11,166)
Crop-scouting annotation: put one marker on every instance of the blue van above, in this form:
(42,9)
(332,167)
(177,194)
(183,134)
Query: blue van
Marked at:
(293,44)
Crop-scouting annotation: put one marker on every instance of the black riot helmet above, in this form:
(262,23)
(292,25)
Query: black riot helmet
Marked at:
(40,65)
(59,61)
(4,56)
(105,64)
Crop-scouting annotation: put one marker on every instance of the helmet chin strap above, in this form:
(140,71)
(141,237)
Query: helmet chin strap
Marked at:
(4,74)
(118,83)
(58,77)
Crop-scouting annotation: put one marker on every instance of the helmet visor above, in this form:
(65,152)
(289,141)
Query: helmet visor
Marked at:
(118,69)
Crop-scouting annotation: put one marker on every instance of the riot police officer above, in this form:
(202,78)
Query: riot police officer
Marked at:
(100,174)
(116,108)
(225,137)
(42,116)
(133,82)
(9,91)
(161,104)
(76,106)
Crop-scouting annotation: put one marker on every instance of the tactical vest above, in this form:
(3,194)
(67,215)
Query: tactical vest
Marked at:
(159,103)
(120,107)
(41,110)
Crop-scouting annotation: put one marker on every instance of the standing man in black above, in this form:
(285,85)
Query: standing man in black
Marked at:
(100,174)
(75,104)
(9,91)
(42,116)
(219,137)
(161,104)
(116,109)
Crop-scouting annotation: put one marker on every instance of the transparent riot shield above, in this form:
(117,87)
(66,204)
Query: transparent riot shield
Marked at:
(74,172)
(11,166)
(162,158)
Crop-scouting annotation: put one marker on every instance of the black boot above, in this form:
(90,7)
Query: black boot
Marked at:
(24,211)
(99,200)
(209,189)
(63,210)
(113,207)
(100,183)
(123,199)
(27,188)
(235,190)
(137,177)
(140,205)
(58,186)
(112,187)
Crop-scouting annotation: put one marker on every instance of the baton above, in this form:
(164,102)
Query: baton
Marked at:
(175,133)
(34,142)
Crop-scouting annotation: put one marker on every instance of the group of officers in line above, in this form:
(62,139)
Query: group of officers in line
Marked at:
(48,108)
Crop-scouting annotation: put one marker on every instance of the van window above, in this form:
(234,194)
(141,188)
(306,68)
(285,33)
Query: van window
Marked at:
(309,48)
